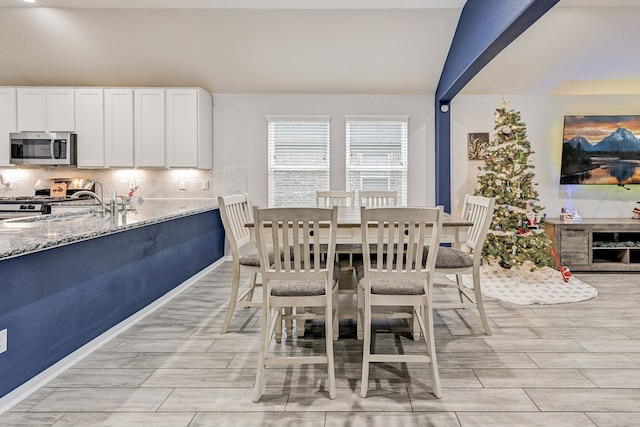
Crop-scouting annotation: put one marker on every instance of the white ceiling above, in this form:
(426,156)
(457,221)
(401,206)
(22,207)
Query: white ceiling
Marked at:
(308,46)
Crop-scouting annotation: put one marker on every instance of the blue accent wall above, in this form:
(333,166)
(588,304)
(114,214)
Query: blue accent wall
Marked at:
(55,301)
(485,28)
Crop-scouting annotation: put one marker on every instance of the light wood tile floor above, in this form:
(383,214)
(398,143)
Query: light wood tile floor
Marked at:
(557,365)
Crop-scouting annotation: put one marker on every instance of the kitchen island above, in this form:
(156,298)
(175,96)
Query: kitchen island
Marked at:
(31,234)
(67,279)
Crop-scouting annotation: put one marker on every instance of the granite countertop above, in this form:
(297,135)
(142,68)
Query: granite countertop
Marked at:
(26,235)
(75,202)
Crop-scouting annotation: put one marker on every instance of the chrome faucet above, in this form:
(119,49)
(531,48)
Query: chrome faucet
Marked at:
(99,199)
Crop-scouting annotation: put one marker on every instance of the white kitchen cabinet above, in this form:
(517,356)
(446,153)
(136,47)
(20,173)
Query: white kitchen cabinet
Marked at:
(149,127)
(189,128)
(32,109)
(7,122)
(118,127)
(61,109)
(46,109)
(89,104)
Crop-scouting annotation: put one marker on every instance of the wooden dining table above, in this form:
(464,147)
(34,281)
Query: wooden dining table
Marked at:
(453,227)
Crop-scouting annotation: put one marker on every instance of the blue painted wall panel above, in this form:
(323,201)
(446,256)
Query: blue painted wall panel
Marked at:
(55,301)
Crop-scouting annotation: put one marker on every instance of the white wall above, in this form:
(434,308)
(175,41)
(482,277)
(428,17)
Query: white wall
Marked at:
(543,116)
(240,134)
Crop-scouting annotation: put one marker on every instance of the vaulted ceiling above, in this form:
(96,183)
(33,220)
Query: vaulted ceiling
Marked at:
(312,46)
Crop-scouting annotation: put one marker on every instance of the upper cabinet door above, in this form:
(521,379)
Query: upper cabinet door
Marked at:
(61,109)
(182,127)
(32,109)
(7,122)
(149,127)
(90,116)
(189,128)
(46,109)
(118,127)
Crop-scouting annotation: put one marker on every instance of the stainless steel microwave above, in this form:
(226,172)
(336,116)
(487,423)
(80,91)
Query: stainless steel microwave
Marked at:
(43,148)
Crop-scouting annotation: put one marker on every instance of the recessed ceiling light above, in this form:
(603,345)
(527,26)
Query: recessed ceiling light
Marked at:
(29,1)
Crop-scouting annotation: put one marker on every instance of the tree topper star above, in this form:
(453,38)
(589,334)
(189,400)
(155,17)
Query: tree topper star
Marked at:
(504,103)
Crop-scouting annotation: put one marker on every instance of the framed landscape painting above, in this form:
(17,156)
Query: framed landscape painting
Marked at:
(601,150)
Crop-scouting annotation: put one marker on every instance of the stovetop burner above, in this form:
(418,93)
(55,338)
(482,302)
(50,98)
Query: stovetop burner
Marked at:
(23,205)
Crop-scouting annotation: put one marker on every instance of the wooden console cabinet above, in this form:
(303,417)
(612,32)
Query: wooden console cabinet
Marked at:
(597,244)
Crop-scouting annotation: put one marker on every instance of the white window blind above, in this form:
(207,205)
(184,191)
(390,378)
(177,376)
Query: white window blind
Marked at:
(298,159)
(377,154)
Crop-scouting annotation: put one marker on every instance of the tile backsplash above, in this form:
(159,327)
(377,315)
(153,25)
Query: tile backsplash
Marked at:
(152,183)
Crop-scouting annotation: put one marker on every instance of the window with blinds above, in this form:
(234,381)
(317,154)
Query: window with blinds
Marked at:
(298,159)
(377,154)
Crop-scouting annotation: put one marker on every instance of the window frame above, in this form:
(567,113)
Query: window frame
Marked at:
(298,195)
(377,171)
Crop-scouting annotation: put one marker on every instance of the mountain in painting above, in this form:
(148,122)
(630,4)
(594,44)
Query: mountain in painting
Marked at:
(619,140)
(580,141)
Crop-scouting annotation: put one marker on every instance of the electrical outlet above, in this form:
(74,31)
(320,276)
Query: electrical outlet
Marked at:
(182,185)
(132,184)
(205,184)
(3,341)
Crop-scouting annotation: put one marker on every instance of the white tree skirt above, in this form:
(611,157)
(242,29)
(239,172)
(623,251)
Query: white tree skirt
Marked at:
(525,286)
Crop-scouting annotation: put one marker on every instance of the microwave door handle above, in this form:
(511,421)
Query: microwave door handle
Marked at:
(52,150)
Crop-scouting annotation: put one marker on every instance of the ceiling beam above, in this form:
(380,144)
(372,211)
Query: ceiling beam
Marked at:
(484,29)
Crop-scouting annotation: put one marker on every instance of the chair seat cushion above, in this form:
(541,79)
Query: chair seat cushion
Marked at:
(252,258)
(450,258)
(390,287)
(396,287)
(300,288)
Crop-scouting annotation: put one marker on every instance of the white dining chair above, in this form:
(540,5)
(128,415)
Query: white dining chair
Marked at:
(400,246)
(378,199)
(303,276)
(339,198)
(467,257)
(327,199)
(235,212)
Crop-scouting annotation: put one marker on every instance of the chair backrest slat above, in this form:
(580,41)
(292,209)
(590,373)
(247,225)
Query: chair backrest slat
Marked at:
(479,210)
(327,199)
(235,212)
(378,199)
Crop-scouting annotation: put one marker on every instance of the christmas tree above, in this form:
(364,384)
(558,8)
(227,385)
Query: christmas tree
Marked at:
(517,232)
